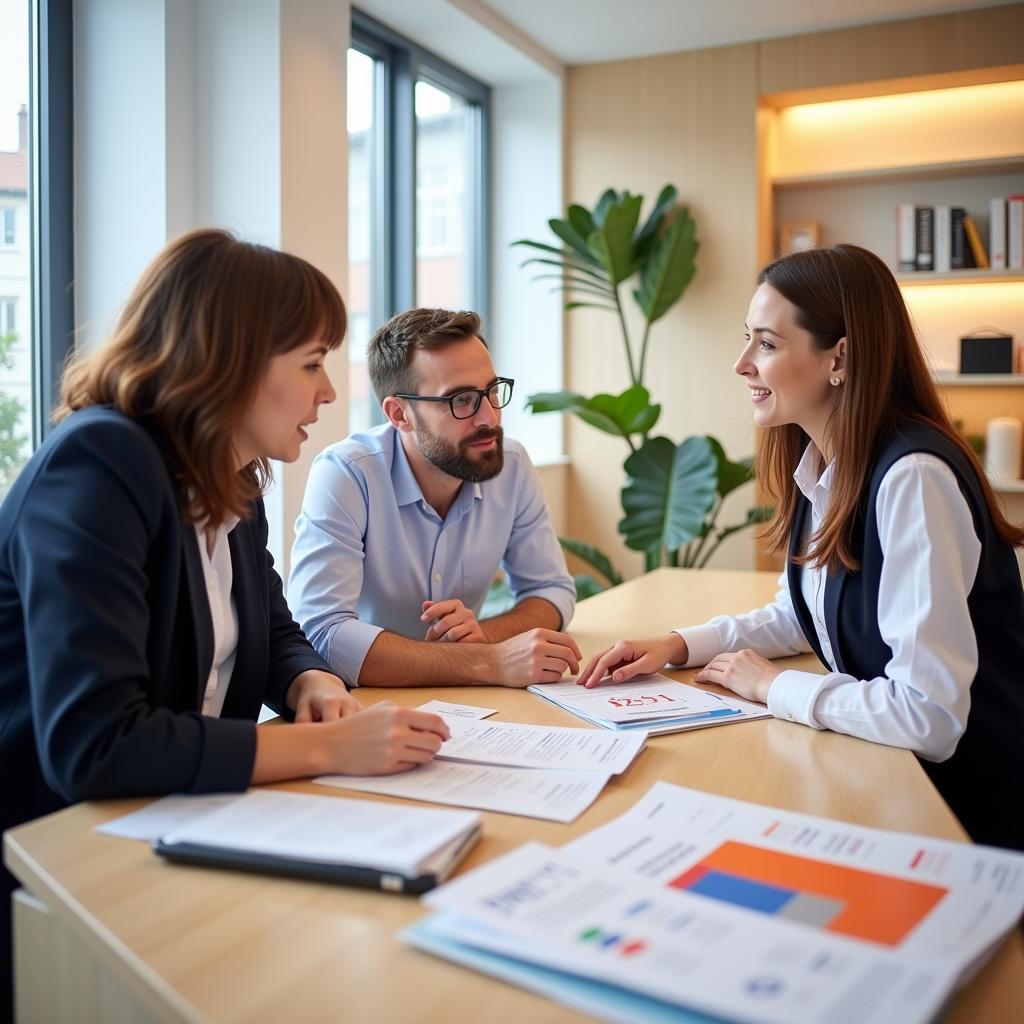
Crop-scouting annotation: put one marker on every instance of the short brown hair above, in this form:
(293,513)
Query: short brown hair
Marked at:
(190,349)
(390,350)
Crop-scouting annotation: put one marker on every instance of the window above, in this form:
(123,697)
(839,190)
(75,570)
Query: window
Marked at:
(417,132)
(36,313)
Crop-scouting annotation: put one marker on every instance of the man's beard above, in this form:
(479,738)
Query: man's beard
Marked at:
(456,460)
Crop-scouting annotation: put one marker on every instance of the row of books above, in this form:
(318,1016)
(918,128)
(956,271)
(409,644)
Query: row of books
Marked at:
(944,238)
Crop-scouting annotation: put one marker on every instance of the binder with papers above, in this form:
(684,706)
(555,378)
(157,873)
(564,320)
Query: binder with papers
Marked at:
(651,703)
(330,839)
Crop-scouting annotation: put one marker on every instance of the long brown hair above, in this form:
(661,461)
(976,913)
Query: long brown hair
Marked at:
(189,351)
(845,291)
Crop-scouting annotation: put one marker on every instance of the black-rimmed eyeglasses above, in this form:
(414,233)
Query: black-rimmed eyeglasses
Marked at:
(464,404)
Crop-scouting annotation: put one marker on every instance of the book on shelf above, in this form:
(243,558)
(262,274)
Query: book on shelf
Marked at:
(959,258)
(975,244)
(1015,232)
(924,237)
(906,246)
(997,232)
(943,239)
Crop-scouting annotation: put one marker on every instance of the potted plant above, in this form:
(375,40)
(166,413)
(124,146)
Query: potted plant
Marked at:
(673,493)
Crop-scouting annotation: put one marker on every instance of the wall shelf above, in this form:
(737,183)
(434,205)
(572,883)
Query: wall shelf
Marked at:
(980,380)
(971,276)
(872,175)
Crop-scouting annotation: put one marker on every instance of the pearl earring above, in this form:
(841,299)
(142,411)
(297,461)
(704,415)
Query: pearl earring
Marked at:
(836,381)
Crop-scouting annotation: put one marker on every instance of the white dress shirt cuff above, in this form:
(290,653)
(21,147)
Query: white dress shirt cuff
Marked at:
(791,696)
(702,642)
(348,645)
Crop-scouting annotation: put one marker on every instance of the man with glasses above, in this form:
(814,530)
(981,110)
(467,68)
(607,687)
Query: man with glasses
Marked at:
(404,527)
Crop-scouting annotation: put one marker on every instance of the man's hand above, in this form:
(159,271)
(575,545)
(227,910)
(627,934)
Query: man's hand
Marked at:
(745,673)
(537,656)
(317,696)
(451,621)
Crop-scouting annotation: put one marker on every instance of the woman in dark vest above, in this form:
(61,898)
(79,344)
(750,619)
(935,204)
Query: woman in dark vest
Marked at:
(901,574)
(142,624)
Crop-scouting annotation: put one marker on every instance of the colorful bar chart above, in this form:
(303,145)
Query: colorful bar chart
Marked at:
(834,897)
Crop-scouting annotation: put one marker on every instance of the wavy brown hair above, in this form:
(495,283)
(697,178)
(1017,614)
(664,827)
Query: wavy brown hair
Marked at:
(189,352)
(845,291)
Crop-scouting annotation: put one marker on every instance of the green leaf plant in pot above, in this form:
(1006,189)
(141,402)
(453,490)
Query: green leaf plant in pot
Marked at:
(673,492)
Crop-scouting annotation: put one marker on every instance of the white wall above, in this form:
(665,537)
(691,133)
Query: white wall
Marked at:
(232,113)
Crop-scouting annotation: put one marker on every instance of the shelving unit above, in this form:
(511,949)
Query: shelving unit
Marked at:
(849,163)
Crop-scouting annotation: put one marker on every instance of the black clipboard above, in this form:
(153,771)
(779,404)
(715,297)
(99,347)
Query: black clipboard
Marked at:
(441,865)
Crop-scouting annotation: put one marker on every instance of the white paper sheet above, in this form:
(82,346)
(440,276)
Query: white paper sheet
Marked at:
(653,702)
(531,792)
(443,707)
(692,951)
(929,897)
(165,815)
(540,746)
(329,829)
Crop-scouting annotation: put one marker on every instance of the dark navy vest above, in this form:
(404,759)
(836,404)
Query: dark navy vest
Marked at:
(981,782)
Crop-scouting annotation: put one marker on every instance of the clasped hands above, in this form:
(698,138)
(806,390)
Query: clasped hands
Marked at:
(747,674)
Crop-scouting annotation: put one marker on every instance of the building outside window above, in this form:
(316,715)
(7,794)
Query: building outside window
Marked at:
(417,192)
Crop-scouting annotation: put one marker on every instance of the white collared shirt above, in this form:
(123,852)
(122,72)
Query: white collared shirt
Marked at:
(931,555)
(219,577)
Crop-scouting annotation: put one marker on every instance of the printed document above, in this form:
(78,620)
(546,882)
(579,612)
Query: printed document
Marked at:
(652,703)
(540,746)
(444,707)
(947,901)
(694,952)
(165,815)
(532,792)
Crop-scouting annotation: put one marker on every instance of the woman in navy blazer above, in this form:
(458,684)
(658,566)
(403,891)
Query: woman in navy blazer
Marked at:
(107,638)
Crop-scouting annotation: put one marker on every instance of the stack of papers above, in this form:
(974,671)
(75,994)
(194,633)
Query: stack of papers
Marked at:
(538,771)
(652,703)
(717,907)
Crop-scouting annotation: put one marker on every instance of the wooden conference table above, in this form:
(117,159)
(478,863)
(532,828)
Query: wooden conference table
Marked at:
(108,931)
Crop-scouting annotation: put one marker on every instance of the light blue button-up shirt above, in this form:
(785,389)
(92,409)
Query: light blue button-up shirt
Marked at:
(369,549)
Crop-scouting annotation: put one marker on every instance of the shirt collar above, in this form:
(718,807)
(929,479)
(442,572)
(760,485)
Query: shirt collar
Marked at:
(807,477)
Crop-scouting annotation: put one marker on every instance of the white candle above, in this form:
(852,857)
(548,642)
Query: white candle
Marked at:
(1003,448)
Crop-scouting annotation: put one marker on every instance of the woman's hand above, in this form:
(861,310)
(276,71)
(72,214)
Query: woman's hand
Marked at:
(629,658)
(745,673)
(451,621)
(384,739)
(317,696)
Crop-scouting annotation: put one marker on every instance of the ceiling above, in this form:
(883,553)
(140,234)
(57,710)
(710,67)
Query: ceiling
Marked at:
(587,31)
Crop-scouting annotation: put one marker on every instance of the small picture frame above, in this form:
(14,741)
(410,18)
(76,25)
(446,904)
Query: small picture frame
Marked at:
(798,235)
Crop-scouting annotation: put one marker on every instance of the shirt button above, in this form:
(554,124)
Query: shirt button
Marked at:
(437,577)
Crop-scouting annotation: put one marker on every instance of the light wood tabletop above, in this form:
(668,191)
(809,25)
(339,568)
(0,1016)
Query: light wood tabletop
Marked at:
(196,944)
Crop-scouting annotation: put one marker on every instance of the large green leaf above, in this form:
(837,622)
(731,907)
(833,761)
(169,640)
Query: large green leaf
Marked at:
(612,242)
(572,238)
(604,203)
(621,415)
(571,265)
(586,586)
(669,492)
(581,219)
(594,557)
(730,474)
(652,225)
(668,269)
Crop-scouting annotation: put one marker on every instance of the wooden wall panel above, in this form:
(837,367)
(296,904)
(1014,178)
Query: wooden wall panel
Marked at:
(688,119)
(991,37)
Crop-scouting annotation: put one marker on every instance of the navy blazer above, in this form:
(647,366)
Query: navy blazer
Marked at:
(106,639)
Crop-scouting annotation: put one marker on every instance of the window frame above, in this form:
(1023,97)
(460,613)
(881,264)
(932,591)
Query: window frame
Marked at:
(393,213)
(51,200)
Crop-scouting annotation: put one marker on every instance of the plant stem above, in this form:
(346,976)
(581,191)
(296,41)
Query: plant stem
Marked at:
(643,351)
(625,338)
(715,509)
(714,547)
